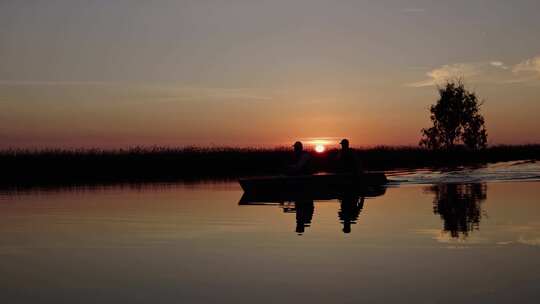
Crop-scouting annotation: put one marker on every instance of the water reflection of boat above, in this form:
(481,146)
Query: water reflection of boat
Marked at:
(313,187)
(351,204)
(298,194)
(309,194)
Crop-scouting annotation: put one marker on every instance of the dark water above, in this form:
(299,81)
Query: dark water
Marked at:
(430,238)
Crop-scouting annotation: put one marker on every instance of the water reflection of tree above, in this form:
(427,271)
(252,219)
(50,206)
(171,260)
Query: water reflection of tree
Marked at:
(459,206)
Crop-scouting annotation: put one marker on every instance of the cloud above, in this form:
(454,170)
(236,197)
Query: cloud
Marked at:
(528,66)
(527,71)
(214,94)
(499,64)
(492,72)
(447,72)
(157,92)
(53,83)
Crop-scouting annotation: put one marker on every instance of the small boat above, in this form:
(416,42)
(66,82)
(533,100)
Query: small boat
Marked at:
(302,182)
(312,187)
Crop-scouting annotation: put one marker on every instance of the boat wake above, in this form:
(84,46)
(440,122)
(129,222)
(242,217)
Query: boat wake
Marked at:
(527,170)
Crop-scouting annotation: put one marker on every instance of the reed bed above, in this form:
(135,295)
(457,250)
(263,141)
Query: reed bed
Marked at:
(139,164)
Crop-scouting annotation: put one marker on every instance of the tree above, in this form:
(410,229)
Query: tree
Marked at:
(456,120)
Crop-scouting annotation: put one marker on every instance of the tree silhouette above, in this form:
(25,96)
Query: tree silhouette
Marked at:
(456,120)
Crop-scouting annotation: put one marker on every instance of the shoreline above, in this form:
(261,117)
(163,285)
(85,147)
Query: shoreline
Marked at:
(25,168)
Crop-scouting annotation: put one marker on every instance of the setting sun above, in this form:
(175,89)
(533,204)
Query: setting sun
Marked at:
(319,148)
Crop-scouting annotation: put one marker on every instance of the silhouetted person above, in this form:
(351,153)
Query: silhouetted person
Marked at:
(304,214)
(351,206)
(302,161)
(347,160)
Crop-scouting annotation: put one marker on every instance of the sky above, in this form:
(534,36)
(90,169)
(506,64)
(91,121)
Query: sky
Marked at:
(115,73)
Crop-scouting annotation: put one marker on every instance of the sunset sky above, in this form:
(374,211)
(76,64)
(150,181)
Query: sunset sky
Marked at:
(117,73)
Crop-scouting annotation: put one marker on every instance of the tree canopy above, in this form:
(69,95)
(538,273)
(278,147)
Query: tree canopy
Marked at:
(456,120)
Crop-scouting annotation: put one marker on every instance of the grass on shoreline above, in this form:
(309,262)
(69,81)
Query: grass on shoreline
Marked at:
(21,167)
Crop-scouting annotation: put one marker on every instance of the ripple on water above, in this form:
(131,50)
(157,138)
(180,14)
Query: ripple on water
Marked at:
(524,170)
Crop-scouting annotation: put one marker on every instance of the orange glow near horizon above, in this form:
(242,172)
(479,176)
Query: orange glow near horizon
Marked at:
(320,148)
(245,81)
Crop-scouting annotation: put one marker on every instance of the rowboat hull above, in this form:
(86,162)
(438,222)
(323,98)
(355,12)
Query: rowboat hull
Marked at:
(311,187)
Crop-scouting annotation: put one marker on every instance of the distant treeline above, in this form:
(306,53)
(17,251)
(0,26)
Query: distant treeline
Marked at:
(21,167)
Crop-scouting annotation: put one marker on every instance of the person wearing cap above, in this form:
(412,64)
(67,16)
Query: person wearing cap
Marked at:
(302,160)
(348,162)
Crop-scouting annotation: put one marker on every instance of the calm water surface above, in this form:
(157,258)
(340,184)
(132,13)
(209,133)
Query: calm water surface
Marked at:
(429,238)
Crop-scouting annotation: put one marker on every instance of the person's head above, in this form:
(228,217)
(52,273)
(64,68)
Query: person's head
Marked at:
(344,144)
(298,147)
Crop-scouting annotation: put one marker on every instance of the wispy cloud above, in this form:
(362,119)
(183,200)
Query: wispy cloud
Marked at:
(172,94)
(446,72)
(499,64)
(163,92)
(150,92)
(495,72)
(528,66)
(53,83)
(527,71)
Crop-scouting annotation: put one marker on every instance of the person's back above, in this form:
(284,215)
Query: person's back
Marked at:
(302,161)
(348,162)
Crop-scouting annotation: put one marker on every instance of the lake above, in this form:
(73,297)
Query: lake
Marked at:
(466,235)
